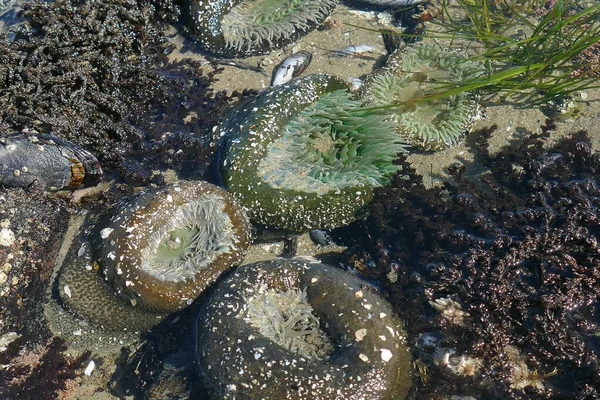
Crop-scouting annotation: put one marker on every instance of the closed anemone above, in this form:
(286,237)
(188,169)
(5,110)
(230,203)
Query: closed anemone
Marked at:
(415,72)
(244,28)
(305,156)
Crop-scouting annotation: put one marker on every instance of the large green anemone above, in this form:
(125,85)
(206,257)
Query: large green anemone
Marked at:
(298,329)
(244,28)
(304,156)
(153,253)
(417,71)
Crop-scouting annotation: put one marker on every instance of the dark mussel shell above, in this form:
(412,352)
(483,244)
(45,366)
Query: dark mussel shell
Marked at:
(291,67)
(45,160)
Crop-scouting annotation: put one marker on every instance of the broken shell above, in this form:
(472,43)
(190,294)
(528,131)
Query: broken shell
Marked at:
(291,67)
(51,162)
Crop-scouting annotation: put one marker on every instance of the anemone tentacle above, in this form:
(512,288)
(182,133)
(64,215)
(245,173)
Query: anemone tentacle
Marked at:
(243,28)
(305,156)
(412,74)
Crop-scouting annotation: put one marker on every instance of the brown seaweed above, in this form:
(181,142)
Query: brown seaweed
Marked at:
(518,249)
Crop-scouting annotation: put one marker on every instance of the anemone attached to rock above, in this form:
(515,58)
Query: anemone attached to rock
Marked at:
(244,28)
(157,251)
(304,156)
(300,329)
(409,76)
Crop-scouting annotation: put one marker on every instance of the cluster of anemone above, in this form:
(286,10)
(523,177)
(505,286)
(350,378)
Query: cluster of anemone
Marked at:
(522,246)
(308,154)
(410,75)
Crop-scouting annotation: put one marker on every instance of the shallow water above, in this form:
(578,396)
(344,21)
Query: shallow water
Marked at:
(513,124)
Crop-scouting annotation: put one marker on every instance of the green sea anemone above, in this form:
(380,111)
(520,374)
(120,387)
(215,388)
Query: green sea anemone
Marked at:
(236,28)
(155,251)
(303,155)
(299,329)
(409,76)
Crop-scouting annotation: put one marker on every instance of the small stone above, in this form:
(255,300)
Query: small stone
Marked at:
(360,334)
(386,355)
(104,233)
(90,368)
(7,339)
(7,237)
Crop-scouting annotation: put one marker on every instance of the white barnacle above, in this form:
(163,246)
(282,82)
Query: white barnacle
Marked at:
(105,233)
(450,309)
(386,355)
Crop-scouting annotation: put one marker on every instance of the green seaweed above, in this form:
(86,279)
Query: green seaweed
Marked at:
(531,54)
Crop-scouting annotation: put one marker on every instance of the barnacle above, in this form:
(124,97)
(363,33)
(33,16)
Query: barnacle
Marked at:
(300,329)
(303,155)
(409,76)
(157,250)
(244,28)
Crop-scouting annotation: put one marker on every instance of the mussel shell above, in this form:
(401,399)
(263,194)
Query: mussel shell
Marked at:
(50,162)
(291,67)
